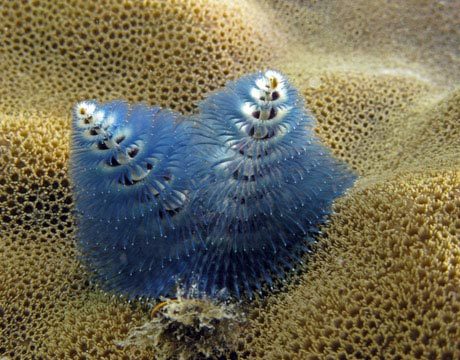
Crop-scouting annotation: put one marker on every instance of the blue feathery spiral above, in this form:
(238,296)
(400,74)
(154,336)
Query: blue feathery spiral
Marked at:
(220,207)
(130,168)
(270,185)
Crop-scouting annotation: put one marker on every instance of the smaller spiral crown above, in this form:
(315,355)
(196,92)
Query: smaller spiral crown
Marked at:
(133,156)
(131,167)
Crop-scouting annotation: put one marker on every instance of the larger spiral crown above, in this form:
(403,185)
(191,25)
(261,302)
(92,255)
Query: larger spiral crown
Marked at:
(271,183)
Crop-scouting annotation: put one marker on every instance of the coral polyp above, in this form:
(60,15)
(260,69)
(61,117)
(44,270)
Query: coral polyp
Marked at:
(221,205)
(271,184)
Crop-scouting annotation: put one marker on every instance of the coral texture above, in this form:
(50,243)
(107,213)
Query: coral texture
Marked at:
(393,249)
(168,53)
(395,32)
(368,82)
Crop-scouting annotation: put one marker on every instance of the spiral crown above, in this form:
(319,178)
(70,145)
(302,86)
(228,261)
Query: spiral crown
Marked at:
(271,183)
(130,167)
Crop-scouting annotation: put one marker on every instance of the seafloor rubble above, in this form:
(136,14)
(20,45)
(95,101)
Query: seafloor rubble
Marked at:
(379,77)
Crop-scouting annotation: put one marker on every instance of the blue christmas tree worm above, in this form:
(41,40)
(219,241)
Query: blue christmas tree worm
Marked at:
(129,167)
(271,184)
(220,205)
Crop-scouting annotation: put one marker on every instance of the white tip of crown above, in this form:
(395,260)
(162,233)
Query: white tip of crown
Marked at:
(109,121)
(262,83)
(98,116)
(270,81)
(272,74)
(257,94)
(84,110)
(248,108)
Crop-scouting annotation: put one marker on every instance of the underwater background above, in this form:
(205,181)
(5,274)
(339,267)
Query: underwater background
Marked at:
(380,77)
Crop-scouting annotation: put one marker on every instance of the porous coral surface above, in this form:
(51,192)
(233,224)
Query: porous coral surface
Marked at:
(168,53)
(384,283)
(385,277)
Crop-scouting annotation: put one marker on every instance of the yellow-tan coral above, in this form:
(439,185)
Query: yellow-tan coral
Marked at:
(384,283)
(384,280)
